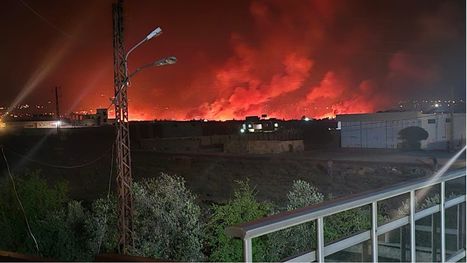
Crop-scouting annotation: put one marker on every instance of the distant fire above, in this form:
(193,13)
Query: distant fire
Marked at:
(295,59)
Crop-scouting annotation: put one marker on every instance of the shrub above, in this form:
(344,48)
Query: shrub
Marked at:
(297,239)
(242,208)
(167,220)
(61,234)
(41,203)
(346,223)
(101,226)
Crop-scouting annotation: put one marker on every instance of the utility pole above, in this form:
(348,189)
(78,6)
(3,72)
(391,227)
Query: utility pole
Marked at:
(57,108)
(122,142)
(58,122)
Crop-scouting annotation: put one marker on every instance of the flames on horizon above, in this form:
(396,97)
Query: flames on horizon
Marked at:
(296,66)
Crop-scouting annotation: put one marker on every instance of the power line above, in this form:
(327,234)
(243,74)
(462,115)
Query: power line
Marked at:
(20,203)
(59,166)
(45,19)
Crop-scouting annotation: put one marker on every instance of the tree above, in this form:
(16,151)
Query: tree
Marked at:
(411,137)
(297,239)
(242,208)
(167,220)
(40,201)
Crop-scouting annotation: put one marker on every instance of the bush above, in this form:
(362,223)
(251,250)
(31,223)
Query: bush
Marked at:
(101,226)
(297,239)
(346,223)
(167,220)
(61,234)
(40,202)
(242,208)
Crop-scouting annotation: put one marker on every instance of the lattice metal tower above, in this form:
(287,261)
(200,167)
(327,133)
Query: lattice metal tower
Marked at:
(122,143)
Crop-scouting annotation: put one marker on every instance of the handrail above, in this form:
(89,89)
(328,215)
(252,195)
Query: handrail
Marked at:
(288,219)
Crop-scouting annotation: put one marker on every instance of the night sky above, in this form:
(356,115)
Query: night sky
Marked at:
(235,57)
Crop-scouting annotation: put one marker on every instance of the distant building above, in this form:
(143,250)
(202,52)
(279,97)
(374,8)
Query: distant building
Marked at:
(90,120)
(49,121)
(33,124)
(255,124)
(102,117)
(385,130)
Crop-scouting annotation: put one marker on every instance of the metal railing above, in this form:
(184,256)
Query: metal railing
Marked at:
(318,213)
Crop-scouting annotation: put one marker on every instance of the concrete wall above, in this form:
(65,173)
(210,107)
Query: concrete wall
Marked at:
(381,130)
(262,147)
(221,143)
(32,124)
(189,144)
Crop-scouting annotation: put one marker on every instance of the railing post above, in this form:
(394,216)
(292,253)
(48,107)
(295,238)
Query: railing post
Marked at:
(464,225)
(320,239)
(374,234)
(412,226)
(433,238)
(443,222)
(247,250)
(458,224)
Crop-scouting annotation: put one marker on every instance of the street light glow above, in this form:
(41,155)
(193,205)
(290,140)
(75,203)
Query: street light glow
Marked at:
(156,32)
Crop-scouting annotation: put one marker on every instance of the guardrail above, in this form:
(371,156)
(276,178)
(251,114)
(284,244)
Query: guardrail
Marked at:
(248,231)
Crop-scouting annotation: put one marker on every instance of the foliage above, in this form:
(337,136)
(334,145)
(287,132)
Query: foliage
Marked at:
(101,225)
(428,201)
(301,238)
(242,208)
(167,220)
(40,203)
(346,223)
(303,194)
(61,234)
(297,239)
(411,137)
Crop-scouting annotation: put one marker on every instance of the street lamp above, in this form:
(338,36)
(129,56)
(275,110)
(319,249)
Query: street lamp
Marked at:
(158,63)
(155,33)
(161,62)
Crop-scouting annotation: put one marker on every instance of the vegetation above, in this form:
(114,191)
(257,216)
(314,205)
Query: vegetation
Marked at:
(168,222)
(298,239)
(65,230)
(411,137)
(41,204)
(242,208)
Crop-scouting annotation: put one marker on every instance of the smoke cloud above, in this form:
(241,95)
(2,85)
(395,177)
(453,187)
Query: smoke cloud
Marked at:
(307,60)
